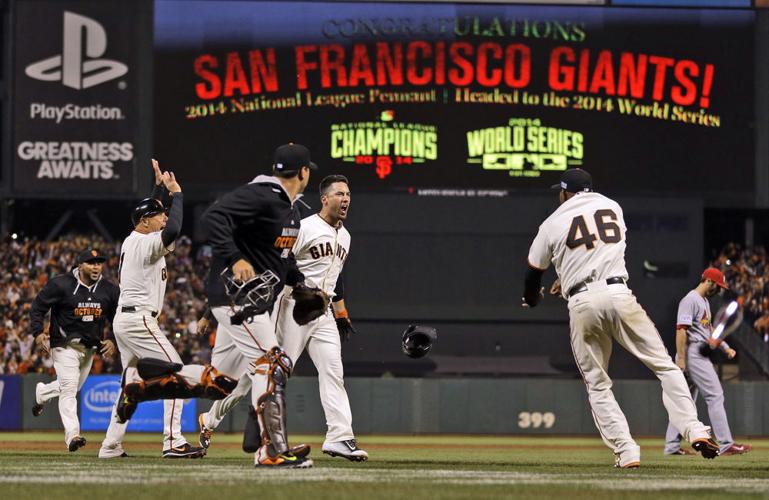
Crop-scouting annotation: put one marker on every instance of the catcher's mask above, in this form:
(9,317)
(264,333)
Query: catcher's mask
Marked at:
(417,340)
(255,296)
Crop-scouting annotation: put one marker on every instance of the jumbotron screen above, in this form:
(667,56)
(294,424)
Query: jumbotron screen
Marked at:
(446,96)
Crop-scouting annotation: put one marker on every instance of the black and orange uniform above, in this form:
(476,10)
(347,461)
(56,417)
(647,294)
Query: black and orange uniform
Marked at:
(78,312)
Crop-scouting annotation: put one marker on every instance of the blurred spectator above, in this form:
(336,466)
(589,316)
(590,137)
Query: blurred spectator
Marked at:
(26,265)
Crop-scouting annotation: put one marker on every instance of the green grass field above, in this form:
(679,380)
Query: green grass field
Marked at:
(36,465)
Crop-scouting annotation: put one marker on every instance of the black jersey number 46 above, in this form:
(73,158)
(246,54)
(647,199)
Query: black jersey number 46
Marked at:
(608,231)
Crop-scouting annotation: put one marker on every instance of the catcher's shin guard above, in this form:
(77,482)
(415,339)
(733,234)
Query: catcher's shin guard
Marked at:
(271,406)
(173,386)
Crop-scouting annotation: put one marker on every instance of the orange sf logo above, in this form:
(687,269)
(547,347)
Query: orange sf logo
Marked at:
(384,166)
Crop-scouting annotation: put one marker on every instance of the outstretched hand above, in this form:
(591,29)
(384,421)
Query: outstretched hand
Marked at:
(158,173)
(169,181)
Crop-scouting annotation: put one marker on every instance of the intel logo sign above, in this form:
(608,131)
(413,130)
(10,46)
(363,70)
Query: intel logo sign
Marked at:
(101,397)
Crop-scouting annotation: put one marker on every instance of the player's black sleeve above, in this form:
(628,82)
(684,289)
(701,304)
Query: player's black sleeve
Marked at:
(531,285)
(293,275)
(174,224)
(47,298)
(339,289)
(223,216)
(159,192)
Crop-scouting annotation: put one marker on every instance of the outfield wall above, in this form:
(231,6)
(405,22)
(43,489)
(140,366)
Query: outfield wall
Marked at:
(466,406)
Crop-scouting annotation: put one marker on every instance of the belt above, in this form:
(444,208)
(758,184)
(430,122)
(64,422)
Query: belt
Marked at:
(582,287)
(132,309)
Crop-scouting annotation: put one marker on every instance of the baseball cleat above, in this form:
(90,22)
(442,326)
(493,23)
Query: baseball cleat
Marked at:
(37,408)
(204,438)
(706,447)
(347,449)
(630,465)
(76,443)
(116,452)
(736,449)
(284,461)
(680,452)
(185,451)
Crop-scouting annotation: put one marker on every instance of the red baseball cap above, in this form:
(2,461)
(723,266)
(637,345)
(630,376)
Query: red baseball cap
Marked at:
(716,276)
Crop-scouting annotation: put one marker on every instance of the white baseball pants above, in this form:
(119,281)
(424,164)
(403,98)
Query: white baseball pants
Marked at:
(72,364)
(139,336)
(604,312)
(321,338)
(238,352)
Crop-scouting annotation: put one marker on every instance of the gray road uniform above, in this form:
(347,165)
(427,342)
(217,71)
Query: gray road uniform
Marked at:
(694,315)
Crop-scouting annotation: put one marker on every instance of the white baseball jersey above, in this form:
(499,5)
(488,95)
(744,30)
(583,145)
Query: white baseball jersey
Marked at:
(320,252)
(142,271)
(585,240)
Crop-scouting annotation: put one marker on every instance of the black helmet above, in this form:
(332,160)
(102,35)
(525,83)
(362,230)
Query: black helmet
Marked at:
(417,340)
(146,208)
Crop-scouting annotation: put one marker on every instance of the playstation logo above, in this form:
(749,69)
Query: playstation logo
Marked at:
(78,65)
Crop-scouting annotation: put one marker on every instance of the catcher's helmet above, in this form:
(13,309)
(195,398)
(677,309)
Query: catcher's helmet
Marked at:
(146,208)
(417,340)
(255,295)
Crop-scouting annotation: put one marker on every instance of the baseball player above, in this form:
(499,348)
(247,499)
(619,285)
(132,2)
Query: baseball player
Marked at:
(585,239)
(693,337)
(321,249)
(252,231)
(152,369)
(79,302)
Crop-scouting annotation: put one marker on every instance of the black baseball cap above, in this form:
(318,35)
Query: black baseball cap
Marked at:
(90,255)
(291,157)
(575,180)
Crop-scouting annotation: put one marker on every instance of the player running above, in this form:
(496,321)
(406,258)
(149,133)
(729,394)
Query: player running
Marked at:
(585,239)
(321,249)
(152,369)
(252,231)
(80,301)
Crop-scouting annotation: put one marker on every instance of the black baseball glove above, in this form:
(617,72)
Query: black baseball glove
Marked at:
(344,325)
(311,303)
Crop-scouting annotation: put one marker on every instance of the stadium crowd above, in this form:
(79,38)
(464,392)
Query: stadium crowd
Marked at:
(746,271)
(27,264)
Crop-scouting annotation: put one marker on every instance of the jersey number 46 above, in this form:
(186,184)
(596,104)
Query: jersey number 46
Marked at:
(608,231)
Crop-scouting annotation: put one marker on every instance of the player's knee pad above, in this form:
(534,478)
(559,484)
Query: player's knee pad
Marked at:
(150,368)
(167,387)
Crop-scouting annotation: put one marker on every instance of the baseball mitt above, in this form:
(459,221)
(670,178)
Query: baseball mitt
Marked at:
(311,303)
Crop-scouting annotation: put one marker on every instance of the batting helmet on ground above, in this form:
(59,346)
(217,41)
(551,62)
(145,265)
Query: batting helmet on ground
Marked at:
(417,340)
(146,208)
